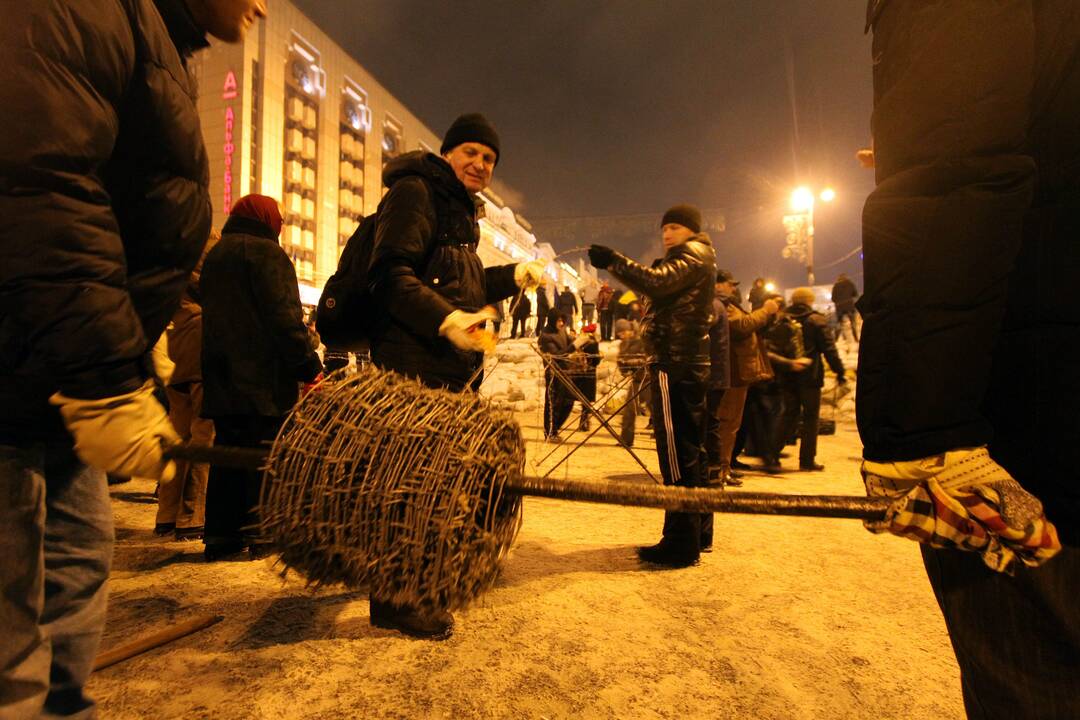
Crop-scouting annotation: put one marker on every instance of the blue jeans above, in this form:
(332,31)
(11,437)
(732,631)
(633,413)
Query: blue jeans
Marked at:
(56,538)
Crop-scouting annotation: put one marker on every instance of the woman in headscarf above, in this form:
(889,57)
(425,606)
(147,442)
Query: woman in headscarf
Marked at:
(256,352)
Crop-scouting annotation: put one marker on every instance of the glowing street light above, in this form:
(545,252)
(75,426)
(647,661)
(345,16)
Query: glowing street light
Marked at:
(770,287)
(802,200)
(800,226)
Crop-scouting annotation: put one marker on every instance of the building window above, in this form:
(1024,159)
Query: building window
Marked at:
(393,142)
(304,83)
(355,123)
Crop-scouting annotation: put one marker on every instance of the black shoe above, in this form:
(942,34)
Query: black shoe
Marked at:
(668,556)
(228,550)
(257,551)
(812,467)
(163,529)
(706,548)
(772,467)
(189,533)
(736,465)
(438,625)
(732,480)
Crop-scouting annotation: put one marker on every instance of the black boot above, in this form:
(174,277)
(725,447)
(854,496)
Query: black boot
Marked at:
(413,622)
(668,555)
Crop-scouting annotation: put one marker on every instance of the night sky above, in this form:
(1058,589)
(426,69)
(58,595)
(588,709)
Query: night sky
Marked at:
(609,112)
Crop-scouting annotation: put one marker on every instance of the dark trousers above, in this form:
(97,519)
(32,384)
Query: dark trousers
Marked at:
(1016,637)
(558,403)
(850,315)
(607,321)
(971,333)
(762,413)
(679,421)
(232,495)
(628,424)
(519,322)
(801,404)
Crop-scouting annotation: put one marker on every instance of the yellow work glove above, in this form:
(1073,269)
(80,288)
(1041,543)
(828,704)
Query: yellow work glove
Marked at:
(123,435)
(528,275)
(464,331)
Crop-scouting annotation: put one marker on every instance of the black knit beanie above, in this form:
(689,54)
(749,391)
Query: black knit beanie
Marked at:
(686,215)
(471,127)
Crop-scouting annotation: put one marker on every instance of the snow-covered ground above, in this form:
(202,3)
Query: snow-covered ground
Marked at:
(787,618)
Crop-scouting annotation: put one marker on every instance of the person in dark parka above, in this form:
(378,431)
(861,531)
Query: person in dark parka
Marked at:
(970,344)
(430,284)
(256,352)
(555,343)
(801,390)
(104,194)
(520,311)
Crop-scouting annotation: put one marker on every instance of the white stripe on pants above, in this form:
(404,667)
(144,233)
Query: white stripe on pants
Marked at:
(669,428)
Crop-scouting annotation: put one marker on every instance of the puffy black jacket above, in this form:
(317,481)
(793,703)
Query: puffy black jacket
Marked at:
(844,295)
(255,347)
(680,288)
(104,195)
(817,342)
(424,267)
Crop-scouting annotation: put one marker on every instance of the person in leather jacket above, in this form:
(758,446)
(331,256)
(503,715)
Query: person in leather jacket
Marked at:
(680,290)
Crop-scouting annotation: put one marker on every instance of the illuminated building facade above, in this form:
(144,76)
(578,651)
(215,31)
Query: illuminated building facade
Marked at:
(289,114)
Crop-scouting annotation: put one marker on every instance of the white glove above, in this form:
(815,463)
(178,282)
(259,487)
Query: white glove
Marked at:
(529,274)
(123,435)
(580,340)
(464,331)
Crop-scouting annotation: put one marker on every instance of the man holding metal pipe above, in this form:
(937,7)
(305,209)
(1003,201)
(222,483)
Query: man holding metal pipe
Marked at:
(969,379)
(104,195)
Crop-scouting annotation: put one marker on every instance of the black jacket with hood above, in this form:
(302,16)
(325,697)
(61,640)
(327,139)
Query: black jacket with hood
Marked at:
(424,266)
(818,342)
(680,288)
(255,347)
(104,191)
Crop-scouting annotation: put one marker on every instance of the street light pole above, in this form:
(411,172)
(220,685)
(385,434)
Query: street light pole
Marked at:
(802,202)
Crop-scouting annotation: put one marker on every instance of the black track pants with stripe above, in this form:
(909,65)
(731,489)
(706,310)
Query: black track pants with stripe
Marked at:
(679,417)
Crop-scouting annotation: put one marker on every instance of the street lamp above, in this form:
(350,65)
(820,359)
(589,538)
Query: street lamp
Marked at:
(800,225)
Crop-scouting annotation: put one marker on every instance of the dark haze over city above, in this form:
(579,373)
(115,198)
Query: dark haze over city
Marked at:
(609,112)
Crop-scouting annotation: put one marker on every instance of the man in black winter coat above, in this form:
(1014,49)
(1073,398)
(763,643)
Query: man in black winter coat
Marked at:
(680,288)
(520,312)
(256,351)
(425,272)
(801,389)
(104,195)
(970,356)
(431,285)
(567,304)
(844,295)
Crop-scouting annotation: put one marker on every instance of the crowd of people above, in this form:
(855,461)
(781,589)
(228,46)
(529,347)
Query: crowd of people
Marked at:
(966,389)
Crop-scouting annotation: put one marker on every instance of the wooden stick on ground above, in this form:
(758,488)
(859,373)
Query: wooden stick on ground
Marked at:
(149,642)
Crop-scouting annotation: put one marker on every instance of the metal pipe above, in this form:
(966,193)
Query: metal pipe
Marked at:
(681,499)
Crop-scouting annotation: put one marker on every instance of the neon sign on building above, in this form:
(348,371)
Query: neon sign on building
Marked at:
(229,93)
